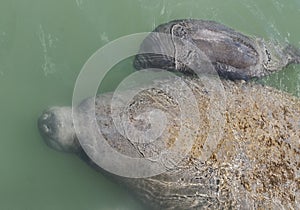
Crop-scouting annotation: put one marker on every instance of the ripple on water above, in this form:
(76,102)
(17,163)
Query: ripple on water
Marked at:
(47,41)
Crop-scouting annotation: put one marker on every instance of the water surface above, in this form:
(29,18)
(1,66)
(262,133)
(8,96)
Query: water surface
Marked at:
(43,46)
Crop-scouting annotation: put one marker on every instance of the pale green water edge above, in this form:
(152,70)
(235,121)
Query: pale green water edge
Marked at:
(44,44)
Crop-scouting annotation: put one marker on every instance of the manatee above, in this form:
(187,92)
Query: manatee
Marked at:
(252,163)
(233,55)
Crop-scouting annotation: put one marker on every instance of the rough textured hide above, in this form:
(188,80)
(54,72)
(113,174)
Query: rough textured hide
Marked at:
(255,164)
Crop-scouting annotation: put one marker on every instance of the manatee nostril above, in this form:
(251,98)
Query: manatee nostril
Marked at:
(45,123)
(46,128)
(45,116)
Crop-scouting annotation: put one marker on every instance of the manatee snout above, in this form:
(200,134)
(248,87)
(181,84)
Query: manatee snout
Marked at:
(56,127)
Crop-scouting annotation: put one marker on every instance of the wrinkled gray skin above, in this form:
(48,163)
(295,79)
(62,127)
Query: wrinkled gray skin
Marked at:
(256,164)
(233,55)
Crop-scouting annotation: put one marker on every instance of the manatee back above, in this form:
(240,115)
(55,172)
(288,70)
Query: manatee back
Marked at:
(254,163)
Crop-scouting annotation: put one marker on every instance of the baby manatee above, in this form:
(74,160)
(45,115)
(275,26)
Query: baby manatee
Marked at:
(233,55)
(253,163)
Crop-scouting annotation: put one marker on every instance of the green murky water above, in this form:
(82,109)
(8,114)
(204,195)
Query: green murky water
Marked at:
(43,46)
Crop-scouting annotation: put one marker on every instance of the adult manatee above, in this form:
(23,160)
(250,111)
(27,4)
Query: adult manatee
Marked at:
(252,163)
(232,54)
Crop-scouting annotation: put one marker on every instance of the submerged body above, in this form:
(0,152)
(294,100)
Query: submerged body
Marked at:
(255,164)
(231,54)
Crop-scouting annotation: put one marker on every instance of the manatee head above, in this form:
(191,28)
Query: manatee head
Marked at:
(56,126)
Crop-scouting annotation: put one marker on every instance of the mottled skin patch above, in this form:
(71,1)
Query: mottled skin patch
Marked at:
(232,54)
(256,164)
